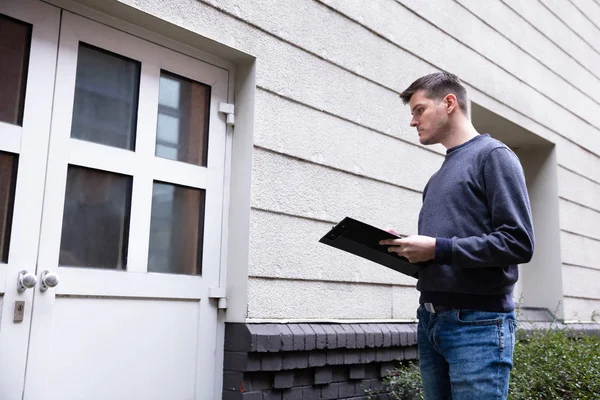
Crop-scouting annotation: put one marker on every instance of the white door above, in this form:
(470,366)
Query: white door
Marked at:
(28,38)
(131,223)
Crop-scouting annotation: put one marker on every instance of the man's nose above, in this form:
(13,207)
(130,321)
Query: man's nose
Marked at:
(413,123)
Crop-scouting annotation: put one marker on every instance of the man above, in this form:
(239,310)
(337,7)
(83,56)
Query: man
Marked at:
(474,228)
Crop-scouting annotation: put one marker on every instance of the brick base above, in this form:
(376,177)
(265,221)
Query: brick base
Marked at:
(332,361)
(312,361)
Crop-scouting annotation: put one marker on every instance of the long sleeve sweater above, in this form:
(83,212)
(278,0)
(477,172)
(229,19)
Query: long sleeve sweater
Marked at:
(477,207)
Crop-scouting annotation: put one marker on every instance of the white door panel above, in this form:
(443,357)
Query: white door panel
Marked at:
(25,140)
(139,361)
(128,331)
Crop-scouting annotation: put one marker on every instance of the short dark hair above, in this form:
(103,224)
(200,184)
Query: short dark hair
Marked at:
(436,87)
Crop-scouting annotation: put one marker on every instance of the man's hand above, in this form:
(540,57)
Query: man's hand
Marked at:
(415,248)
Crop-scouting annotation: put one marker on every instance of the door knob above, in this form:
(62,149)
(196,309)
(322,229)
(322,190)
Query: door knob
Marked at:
(49,279)
(26,281)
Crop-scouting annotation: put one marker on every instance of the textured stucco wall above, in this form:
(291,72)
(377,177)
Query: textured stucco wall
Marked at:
(332,137)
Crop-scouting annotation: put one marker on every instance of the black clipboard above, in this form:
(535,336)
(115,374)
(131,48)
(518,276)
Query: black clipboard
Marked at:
(361,239)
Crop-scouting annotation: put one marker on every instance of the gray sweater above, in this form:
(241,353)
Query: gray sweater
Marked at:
(477,208)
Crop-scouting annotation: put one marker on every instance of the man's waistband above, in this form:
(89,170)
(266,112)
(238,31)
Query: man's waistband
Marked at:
(444,301)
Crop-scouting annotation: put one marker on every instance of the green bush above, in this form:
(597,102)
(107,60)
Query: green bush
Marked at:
(403,383)
(556,365)
(553,364)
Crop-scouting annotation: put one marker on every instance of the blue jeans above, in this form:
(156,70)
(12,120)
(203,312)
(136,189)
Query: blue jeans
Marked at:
(465,354)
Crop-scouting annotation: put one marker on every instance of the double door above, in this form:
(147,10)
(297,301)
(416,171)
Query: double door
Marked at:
(112,157)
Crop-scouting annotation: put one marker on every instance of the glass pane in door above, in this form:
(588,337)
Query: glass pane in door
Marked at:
(8,179)
(15,40)
(176,229)
(95,228)
(183,114)
(106,98)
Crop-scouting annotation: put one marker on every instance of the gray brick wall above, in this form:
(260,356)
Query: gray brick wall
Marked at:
(324,361)
(312,361)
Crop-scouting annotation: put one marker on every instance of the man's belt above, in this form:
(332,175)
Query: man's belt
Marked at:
(436,308)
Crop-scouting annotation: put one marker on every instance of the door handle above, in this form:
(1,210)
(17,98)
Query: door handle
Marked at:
(26,281)
(49,279)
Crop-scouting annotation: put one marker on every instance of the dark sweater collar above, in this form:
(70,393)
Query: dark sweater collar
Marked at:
(465,144)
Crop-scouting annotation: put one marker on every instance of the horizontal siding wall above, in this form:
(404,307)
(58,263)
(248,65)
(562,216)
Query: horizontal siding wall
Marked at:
(527,36)
(581,310)
(458,22)
(590,9)
(579,250)
(332,136)
(289,186)
(444,51)
(581,282)
(291,299)
(579,189)
(556,31)
(579,220)
(580,245)
(297,254)
(576,21)
(287,127)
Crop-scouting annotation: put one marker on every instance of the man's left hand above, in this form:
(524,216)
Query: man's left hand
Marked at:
(415,248)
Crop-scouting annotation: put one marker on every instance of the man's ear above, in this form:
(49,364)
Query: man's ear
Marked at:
(451,102)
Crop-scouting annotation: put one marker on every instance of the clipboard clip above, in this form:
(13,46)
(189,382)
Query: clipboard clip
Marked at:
(336,231)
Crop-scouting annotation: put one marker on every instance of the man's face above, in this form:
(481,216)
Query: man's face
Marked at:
(429,117)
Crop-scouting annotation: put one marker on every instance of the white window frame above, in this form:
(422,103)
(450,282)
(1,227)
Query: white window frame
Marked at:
(141,163)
